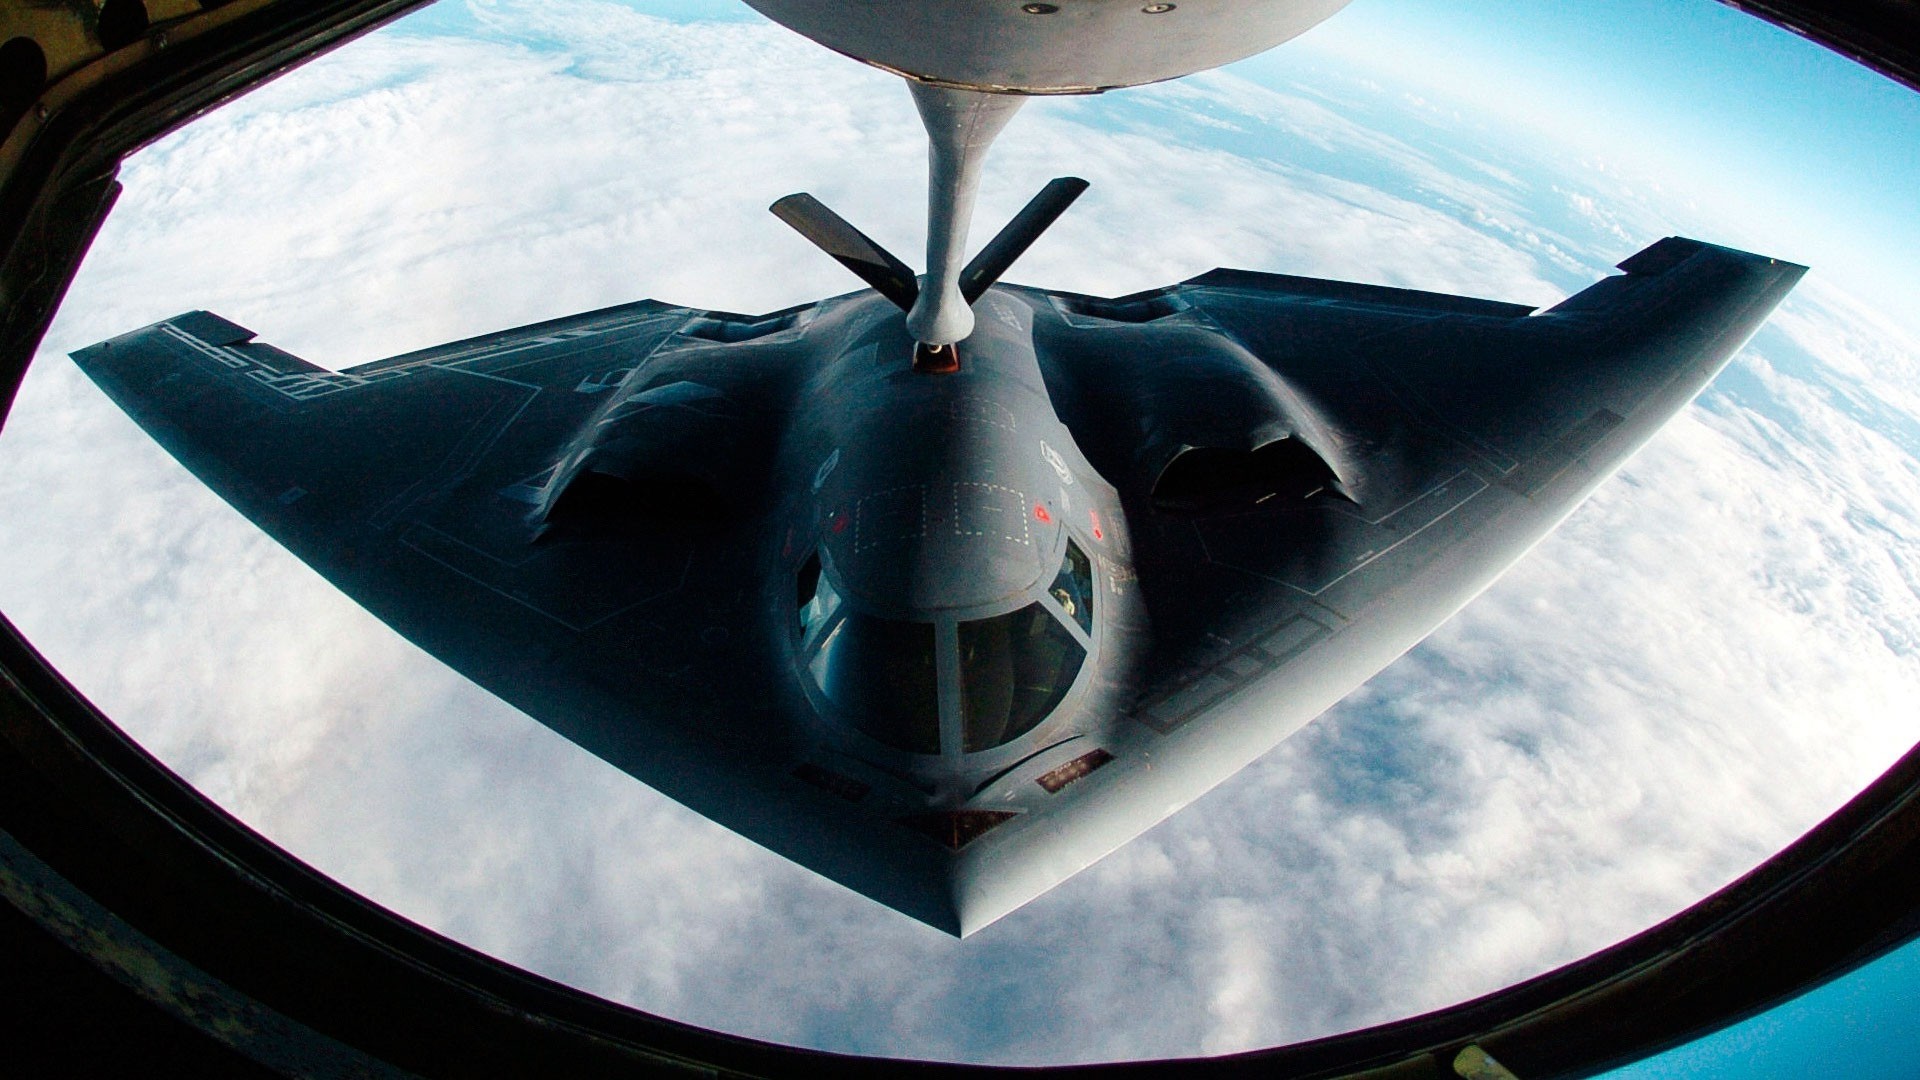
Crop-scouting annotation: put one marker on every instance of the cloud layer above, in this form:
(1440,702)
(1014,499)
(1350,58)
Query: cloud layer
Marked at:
(1707,658)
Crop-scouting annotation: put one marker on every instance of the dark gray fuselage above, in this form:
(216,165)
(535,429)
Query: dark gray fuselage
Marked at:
(946,638)
(948,500)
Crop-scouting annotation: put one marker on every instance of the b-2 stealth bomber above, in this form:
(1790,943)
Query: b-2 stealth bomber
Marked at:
(946,604)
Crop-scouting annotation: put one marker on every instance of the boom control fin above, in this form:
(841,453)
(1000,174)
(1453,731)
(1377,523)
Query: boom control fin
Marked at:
(892,278)
(849,247)
(1018,235)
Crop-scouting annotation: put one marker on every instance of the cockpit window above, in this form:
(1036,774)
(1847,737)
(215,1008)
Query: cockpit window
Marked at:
(815,595)
(1014,669)
(1074,587)
(880,674)
(807,582)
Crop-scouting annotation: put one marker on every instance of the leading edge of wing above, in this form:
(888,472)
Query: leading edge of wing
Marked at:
(303,451)
(1665,327)
(1148,304)
(547,328)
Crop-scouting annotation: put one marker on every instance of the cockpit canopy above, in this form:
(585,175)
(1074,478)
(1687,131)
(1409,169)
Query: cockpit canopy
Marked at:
(999,677)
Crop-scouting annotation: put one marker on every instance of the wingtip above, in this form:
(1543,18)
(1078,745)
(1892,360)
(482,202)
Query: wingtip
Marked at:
(790,208)
(1669,252)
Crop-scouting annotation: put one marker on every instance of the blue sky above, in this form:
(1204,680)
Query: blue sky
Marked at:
(1754,122)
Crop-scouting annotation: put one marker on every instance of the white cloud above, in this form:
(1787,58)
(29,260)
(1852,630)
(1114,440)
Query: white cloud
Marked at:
(1713,653)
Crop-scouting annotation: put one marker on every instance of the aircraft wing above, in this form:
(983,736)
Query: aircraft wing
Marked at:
(294,446)
(1323,445)
(1314,475)
(1359,463)
(424,487)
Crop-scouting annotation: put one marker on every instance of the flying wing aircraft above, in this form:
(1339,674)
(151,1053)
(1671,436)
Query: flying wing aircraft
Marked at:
(946,626)
(947,589)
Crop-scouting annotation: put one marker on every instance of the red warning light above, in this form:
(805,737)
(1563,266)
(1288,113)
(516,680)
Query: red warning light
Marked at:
(839,524)
(1093,519)
(1040,515)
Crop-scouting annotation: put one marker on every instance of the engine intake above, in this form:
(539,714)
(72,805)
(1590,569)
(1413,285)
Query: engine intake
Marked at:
(1213,479)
